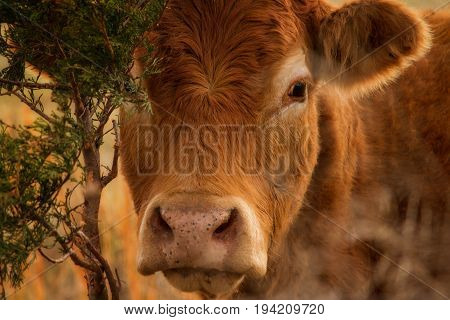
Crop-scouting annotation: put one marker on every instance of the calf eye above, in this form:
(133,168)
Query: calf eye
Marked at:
(298,91)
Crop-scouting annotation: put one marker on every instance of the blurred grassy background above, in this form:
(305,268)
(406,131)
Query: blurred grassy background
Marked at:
(117,224)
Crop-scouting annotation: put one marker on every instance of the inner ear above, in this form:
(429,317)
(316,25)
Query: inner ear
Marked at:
(367,43)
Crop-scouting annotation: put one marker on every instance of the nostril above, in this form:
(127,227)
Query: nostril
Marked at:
(227,225)
(159,224)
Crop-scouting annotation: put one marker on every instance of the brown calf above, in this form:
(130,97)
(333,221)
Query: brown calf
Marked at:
(295,150)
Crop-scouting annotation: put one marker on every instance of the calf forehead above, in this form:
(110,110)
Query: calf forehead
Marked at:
(204,24)
(216,54)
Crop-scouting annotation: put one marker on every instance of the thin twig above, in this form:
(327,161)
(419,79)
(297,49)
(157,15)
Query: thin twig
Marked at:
(119,282)
(52,260)
(85,265)
(32,85)
(113,285)
(103,120)
(115,165)
(77,260)
(33,106)
(106,39)
(80,109)
(100,22)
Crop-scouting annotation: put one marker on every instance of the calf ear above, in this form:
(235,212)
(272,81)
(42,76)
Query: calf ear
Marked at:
(367,43)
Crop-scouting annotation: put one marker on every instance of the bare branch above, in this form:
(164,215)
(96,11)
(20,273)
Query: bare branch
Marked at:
(113,284)
(74,257)
(83,264)
(33,106)
(80,110)
(77,260)
(105,36)
(115,165)
(32,85)
(106,114)
(52,260)
(119,282)
(99,20)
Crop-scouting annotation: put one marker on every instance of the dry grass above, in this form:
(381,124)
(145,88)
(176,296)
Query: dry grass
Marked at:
(118,225)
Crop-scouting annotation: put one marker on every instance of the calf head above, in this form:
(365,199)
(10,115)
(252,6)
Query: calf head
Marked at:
(219,169)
